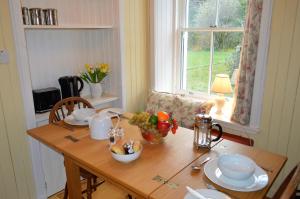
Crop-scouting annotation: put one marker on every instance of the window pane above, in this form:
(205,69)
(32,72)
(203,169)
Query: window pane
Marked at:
(232,13)
(198,59)
(227,48)
(202,13)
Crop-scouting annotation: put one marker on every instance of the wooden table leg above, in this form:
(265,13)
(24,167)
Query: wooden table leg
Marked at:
(73,178)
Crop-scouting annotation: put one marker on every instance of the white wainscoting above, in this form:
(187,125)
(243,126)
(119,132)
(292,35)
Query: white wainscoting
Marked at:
(56,53)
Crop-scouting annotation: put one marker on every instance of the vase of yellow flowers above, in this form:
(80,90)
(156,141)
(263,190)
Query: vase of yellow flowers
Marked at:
(94,76)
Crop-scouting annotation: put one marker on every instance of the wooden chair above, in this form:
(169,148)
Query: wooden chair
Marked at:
(61,110)
(289,186)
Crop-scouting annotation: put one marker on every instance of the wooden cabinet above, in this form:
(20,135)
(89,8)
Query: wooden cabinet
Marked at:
(88,31)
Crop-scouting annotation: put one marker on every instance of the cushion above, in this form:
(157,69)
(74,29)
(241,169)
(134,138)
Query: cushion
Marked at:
(159,101)
(187,108)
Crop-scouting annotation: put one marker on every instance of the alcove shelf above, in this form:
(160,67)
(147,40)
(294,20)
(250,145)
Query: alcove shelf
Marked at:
(72,26)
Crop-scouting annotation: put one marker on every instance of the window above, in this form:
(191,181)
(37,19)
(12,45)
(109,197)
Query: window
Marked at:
(172,25)
(210,33)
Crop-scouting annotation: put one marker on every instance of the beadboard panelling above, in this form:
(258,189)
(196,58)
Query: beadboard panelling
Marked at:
(86,12)
(136,55)
(163,44)
(281,106)
(56,53)
(15,167)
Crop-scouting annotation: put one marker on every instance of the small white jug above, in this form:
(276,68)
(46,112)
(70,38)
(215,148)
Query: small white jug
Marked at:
(100,124)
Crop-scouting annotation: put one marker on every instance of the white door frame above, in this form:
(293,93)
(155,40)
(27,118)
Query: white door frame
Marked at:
(25,80)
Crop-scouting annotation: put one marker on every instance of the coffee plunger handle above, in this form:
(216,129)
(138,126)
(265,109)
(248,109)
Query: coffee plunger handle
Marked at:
(220,131)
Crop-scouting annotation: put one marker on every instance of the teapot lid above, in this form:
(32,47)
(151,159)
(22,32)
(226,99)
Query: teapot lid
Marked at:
(205,118)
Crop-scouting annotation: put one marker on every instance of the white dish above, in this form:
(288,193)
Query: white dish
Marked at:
(72,121)
(127,157)
(256,182)
(236,166)
(208,193)
(83,114)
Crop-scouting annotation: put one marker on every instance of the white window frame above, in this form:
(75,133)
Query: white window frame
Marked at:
(260,74)
(183,40)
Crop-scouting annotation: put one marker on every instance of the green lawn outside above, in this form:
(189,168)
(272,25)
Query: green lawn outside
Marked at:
(198,68)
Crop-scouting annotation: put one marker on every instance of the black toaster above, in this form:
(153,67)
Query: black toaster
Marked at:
(45,99)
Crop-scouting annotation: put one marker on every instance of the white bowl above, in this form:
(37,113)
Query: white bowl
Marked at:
(236,166)
(127,157)
(83,114)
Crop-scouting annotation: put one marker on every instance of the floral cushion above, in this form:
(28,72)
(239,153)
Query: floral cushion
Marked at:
(158,101)
(187,108)
(183,109)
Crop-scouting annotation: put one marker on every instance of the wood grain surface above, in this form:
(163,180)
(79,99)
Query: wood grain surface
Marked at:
(165,160)
(273,164)
(170,160)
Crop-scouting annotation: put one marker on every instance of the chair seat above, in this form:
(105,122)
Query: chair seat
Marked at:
(85,174)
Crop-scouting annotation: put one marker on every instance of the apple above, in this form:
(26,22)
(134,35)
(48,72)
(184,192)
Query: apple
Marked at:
(163,127)
(148,136)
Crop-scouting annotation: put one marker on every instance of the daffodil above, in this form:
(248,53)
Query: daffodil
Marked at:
(88,67)
(104,68)
(95,74)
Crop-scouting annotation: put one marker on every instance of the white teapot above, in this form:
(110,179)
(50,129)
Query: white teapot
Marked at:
(100,124)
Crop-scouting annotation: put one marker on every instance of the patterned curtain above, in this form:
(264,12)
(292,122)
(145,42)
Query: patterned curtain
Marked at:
(245,84)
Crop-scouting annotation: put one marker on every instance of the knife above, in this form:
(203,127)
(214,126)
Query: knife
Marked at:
(195,193)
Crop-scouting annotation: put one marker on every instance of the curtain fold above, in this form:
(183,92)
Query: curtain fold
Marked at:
(244,91)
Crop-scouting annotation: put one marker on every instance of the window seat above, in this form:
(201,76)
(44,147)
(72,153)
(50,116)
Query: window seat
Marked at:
(184,109)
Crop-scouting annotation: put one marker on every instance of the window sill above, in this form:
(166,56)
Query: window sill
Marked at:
(224,120)
(231,126)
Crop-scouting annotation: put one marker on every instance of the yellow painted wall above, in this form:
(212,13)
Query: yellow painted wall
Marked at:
(136,41)
(16,180)
(280,124)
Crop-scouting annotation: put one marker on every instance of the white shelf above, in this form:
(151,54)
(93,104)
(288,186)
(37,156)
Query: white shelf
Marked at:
(105,98)
(75,26)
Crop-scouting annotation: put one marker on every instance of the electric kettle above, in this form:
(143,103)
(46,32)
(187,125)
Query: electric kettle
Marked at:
(100,125)
(70,86)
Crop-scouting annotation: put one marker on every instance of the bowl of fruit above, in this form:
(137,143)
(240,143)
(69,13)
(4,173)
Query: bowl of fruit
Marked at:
(154,127)
(126,151)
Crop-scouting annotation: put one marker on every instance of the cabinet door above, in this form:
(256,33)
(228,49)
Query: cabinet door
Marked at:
(53,168)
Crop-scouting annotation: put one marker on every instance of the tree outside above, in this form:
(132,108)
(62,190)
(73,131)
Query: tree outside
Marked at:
(227,45)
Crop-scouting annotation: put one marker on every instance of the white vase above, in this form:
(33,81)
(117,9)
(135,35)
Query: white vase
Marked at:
(96,89)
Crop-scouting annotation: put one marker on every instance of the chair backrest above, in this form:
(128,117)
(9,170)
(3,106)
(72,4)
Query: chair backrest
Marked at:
(289,186)
(65,107)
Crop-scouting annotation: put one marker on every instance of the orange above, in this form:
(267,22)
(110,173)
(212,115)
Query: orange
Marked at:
(163,116)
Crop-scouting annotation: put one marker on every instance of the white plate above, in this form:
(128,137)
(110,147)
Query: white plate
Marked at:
(83,113)
(208,193)
(72,121)
(256,182)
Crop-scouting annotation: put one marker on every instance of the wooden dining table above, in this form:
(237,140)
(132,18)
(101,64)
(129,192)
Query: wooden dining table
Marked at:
(161,172)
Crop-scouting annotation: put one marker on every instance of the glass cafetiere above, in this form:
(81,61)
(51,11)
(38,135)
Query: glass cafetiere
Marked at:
(202,131)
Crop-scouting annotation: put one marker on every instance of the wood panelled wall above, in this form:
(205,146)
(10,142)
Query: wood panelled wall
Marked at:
(162,44)
(280,124)
(16,179)
(136,55)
